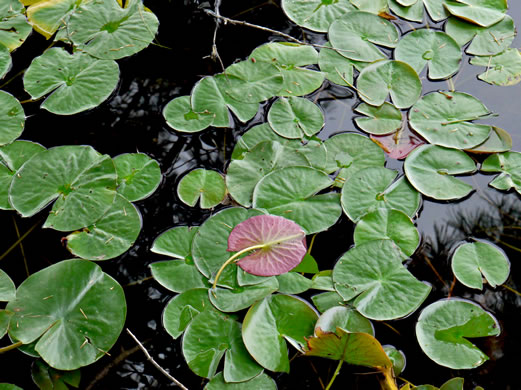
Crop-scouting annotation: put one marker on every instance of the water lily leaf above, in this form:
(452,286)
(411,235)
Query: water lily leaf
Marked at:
(397,358)
(499,141)
(374,188)
(399,144)
(12,118)
(203,184)
(47,378)
(12,157)
(388,224)
(436,9)
(470,260)
(291,192)
(413,12)
(256,135)
(239,298)
(178,275)
(454,384)
(509,164)
(323,281)
(5,60)
(14,28)
(209,337)
(82,181)
(183,308)
(503,69)
(356,34)
(308,265)
(316,15)
(175,242)
(5,317)
(429,169)
(260,382)
(180,116)
(445,118)
(295,117)
(407,3)
(481,12)
(327,300)
(396,78)
(435,49)
(338,69)
(8,386)
(7,287)
(376,7)
(48,16)
(73,309)
(486,41)
(138,175)
(75,82)
(345,318)
(267,326)
(279,244)
(293,283)
(444,327)
(385,289)
(382,119)
(106,30)
(110,236)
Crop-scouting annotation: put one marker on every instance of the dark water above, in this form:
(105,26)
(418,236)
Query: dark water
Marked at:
(131,121)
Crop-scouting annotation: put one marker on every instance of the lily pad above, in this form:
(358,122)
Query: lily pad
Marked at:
(180,116)
(260,382)
(47,17)
(356,34)
(203,184)
(470,260)
(376,7)
(82,182)
(75,82)
(12,118)
(73,309)
(443,330)
(110,236)
(47,378)
(385,289)
(509,164)
(429,168)
(14,28)
(399,144)
(105,30)
(308,265)
(138,175)
(5,60)
(374,188)
(435,49)
(345,318)
(239,298)
(382,119)
(316,15)
(291,193)
(293,283)
(503,69)
(436,9)
(397,358)
(267,326)
(323,281)
(175,242)
(178,275)
(445,119)
(295,117)
(481,12)
(5,317)
(412,12)
(7,287)
(209,337)
(327,300)
(338,68)
(499,141)
(396,78)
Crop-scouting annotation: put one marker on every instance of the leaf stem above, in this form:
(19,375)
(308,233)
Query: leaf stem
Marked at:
(511,289)
(337,371)
(15,244)
(12,346)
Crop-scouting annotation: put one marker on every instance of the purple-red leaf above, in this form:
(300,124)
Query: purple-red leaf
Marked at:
(399,144)
(279,244)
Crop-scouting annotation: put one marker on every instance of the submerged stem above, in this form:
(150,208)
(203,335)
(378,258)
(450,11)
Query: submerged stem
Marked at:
(341,361)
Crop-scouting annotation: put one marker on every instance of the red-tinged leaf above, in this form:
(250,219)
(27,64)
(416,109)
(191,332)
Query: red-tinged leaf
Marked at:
(279,244)
(399,144)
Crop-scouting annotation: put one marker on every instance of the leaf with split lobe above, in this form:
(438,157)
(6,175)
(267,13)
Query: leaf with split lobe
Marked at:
(499,141)
(12,118)
(380,120)
(242,297)
(14,28)
(138,175)
(7,287)
(413,12)
(278,243)
(509,164)
(180,116)
(338,68)
(399,144)
(201,184)
(481,12)
(295,117)
(503,69)
(260,382)
(316,15)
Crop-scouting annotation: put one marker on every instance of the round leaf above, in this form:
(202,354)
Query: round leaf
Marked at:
(240,298)
(503,69)
(481,12)
(178,275)
(12,118)
(14,28)
(47,17)
(382,119)
(293,283)
(7,288)
(397,357)
(295,117)
(202,184)
(315,15)
(5,60)
(260,382)
(180,116)
(175,242)
(499,141)
(138,175)
(413,13)
(508,164)
(346,318)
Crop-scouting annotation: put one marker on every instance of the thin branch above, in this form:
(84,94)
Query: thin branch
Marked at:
(21,246)
(215,53)
(15,244)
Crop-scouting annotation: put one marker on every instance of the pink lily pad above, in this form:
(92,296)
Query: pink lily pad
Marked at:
(278,244)
(399,144)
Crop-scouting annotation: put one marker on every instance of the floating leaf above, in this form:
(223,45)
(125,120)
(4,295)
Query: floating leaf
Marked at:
(498,141)
(291,193)
(435,49)
(445,119)
(5,317)
(203,184)
(47,17)
(429,169)
(327,300)
(175,242)
(509,164)
(180,116)
(356,34)
(178,275)
(267,325)
(482,12)
(12,118)
(396,78)
(338,69)
(399,144)
(239,298)
(47,378)
(503,69)
(105,30)
(388,224)
(8,386)
(413,12)
(75,82)
(316,15)
(470,260)
(382,119)
(7,288)
(323,281)
(256,135)
(14,28)
(345,318)
(376,7)
(209,337)
(293,283)
(436,9)
(260,382)
(444,327)
(295,117)
(138,175)
(74,311)
(373,188)
(397,358)
(5,60)
(385,289)
(308,265)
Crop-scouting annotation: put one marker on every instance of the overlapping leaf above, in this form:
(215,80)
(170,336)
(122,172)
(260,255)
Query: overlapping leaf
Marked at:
(481,12)
(12,118)
(316,15)
(509,164)
(502,69)
(204,185)
(138,175)
(295,117)
(14,28)
(380,120)
(7,287)
(260,382)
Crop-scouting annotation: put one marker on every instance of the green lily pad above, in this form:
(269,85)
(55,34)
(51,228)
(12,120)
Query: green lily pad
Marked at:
(308,265)
(256,135)
(7,287)
(470,260)
(384,288)
(209,337)
(73,309)
(356,34)
(47,378)
(295,117)
(12,157)
(382,119)
(180,116)
(396,78)
(5,60)
(443,330)
(75,82)
(8,386)
(239,298)
(509,164)
(106,30)
(327,300)
(413,12)
(445,119)
(397,358)
(388,224)
(499,141)
(291,193)
(338,68)
(47,17)
(293,283)
(175,242)
(436,9)
(138,175)
(267,327)
(435,49)
(481,12)
(346,318)
(14,28)
(407,3)
(316,15)
(260,382)
(486,41)
(323,281)
(376,7)
(503,69)
(429,168)
(178,275)
(12,118)
(5,318)
(375,188)
(203,184)
(110,236)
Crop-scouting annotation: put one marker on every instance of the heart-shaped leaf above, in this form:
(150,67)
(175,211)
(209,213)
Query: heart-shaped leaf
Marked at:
(399,144)
(178,275)
(345,318)
(502,69)
(7,288)
(338,69)
(327,300)
(380,120)
(203,184)
(509,164)
(295,117)
(239,298)
(47,17)
(397,358)
(12,118)
(180,116)
(316,15)
(481,12)
(293,283)
(260,382)
(14,28)
(175,242)
(499,141)
(138,175)
(413,12)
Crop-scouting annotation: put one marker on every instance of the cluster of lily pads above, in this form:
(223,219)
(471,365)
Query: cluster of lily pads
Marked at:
(282,168)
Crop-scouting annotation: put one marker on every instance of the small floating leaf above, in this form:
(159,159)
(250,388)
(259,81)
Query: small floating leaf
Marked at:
(399,144)
(482,12)
(293,283)
(180,116)
(46,377)
(175,242)
(5,60)
(498,141)
(436,9)
(48,16)
(239,298)
(295,117)
(203,184)
(316,15)
(502,69)
(413,12)
(346,318)
(327,300)
(338,69)
(7,288)
(178,275)
(444,327)
(12,118)
(397,358)
(509,164)
(308,265)
(260,382)
(376,7)
(14,28)
(380,120)
(138,175)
